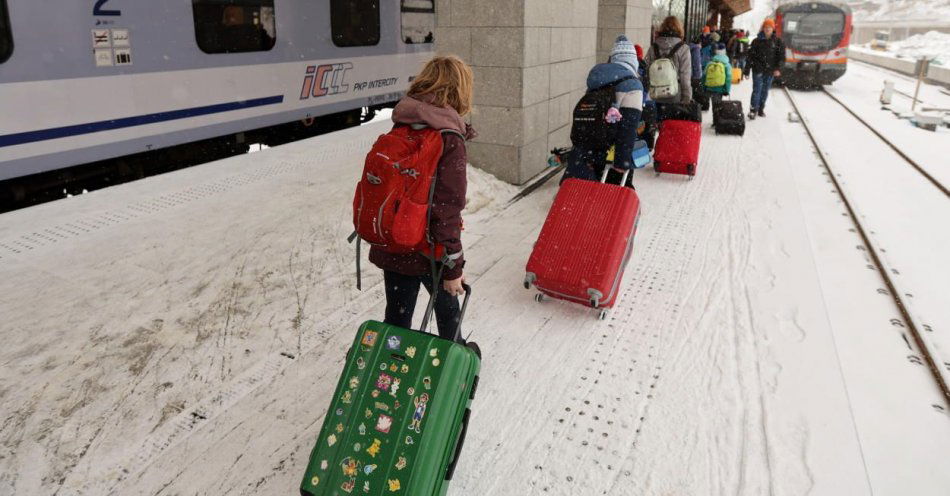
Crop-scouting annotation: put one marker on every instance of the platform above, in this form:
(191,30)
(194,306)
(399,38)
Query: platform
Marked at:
(182,334)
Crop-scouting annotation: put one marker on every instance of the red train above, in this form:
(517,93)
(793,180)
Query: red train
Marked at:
(816,37)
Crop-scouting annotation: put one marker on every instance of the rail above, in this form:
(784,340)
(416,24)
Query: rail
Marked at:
(889,143)
(934,363)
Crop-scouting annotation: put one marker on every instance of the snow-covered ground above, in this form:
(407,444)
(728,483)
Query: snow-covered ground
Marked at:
(901,10)
(931,45)
(861,90)
(183,334)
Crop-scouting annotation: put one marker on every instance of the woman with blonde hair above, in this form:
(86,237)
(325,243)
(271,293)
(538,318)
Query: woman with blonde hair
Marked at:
(438,98)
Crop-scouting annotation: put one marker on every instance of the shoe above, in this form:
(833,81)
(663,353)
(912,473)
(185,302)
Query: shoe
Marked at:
(752,115)
(761,113)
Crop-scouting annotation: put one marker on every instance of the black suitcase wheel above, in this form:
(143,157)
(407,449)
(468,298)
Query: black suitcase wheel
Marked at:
(474,347)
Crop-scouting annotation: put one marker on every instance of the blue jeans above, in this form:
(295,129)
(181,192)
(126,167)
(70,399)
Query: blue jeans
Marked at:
(761,83)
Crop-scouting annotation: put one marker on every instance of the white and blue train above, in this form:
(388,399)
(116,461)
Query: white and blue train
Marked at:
(104,81)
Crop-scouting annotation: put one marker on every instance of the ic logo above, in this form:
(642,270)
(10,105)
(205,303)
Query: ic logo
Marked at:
(325,79)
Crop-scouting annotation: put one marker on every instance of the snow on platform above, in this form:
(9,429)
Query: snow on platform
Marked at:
(182,335)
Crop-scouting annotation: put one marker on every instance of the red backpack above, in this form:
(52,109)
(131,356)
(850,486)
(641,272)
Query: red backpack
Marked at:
(394,195)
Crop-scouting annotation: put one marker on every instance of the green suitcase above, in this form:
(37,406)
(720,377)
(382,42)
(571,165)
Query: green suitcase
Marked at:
(398,418)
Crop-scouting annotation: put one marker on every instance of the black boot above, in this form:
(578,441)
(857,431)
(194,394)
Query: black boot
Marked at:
(761,112)
(752,115)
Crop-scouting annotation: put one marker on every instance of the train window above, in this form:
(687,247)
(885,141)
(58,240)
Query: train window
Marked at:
(6,38)
(234,26)
(418,20)
(814,23)
(354,22)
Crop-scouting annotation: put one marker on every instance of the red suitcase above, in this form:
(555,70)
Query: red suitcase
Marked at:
(677,148)
(585,243)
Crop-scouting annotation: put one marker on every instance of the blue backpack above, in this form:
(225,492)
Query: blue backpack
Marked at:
(641,155)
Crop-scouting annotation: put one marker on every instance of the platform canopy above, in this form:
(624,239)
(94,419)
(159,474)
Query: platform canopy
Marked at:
(731,7)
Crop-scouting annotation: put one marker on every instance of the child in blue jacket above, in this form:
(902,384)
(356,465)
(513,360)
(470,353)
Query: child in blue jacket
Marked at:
(623,69)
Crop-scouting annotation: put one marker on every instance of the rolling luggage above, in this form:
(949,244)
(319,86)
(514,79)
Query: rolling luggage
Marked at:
(700,96)
(728,117)
(398,418)
(736,75)
(680,112)
(585,243)
(677,148)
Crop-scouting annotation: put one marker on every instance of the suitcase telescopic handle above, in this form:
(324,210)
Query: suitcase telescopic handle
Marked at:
(450,471)
(458,327)
(431,307)
(623,181)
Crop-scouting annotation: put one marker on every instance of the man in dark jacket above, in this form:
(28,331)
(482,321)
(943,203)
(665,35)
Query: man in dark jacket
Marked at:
(765,60)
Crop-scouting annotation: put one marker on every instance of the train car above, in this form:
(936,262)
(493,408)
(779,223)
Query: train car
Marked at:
(122,84)
(816,37)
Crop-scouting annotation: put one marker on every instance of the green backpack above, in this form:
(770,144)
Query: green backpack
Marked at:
(715,75)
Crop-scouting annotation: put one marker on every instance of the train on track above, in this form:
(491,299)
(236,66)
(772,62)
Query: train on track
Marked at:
(816,37)
(113,90)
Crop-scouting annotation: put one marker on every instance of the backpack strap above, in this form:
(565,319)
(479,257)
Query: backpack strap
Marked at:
(675,49)
(614,83)
(359,275)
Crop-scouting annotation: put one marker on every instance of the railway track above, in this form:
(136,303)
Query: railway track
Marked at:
(938,367)
(937,184)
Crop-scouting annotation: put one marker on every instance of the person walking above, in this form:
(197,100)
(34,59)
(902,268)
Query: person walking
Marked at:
(765,61)
(647,129)
(669,46)
(438,98)
(620,75)
(706,54)
(699,96)
(717,76)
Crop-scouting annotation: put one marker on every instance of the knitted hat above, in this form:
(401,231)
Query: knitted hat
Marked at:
(716,37)
(768,23)
(623,46)
(639,50)
(720,48)
(706,29)
(624,53)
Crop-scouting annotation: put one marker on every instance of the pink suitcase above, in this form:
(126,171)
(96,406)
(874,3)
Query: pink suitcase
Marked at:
(585,244)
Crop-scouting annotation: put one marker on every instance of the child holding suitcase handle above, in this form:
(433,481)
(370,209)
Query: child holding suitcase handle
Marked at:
(437,99)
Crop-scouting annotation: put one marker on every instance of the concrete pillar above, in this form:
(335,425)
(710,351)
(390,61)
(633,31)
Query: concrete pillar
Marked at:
(530,59)
(631,17)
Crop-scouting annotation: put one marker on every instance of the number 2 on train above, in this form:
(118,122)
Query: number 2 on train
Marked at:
(97,10)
